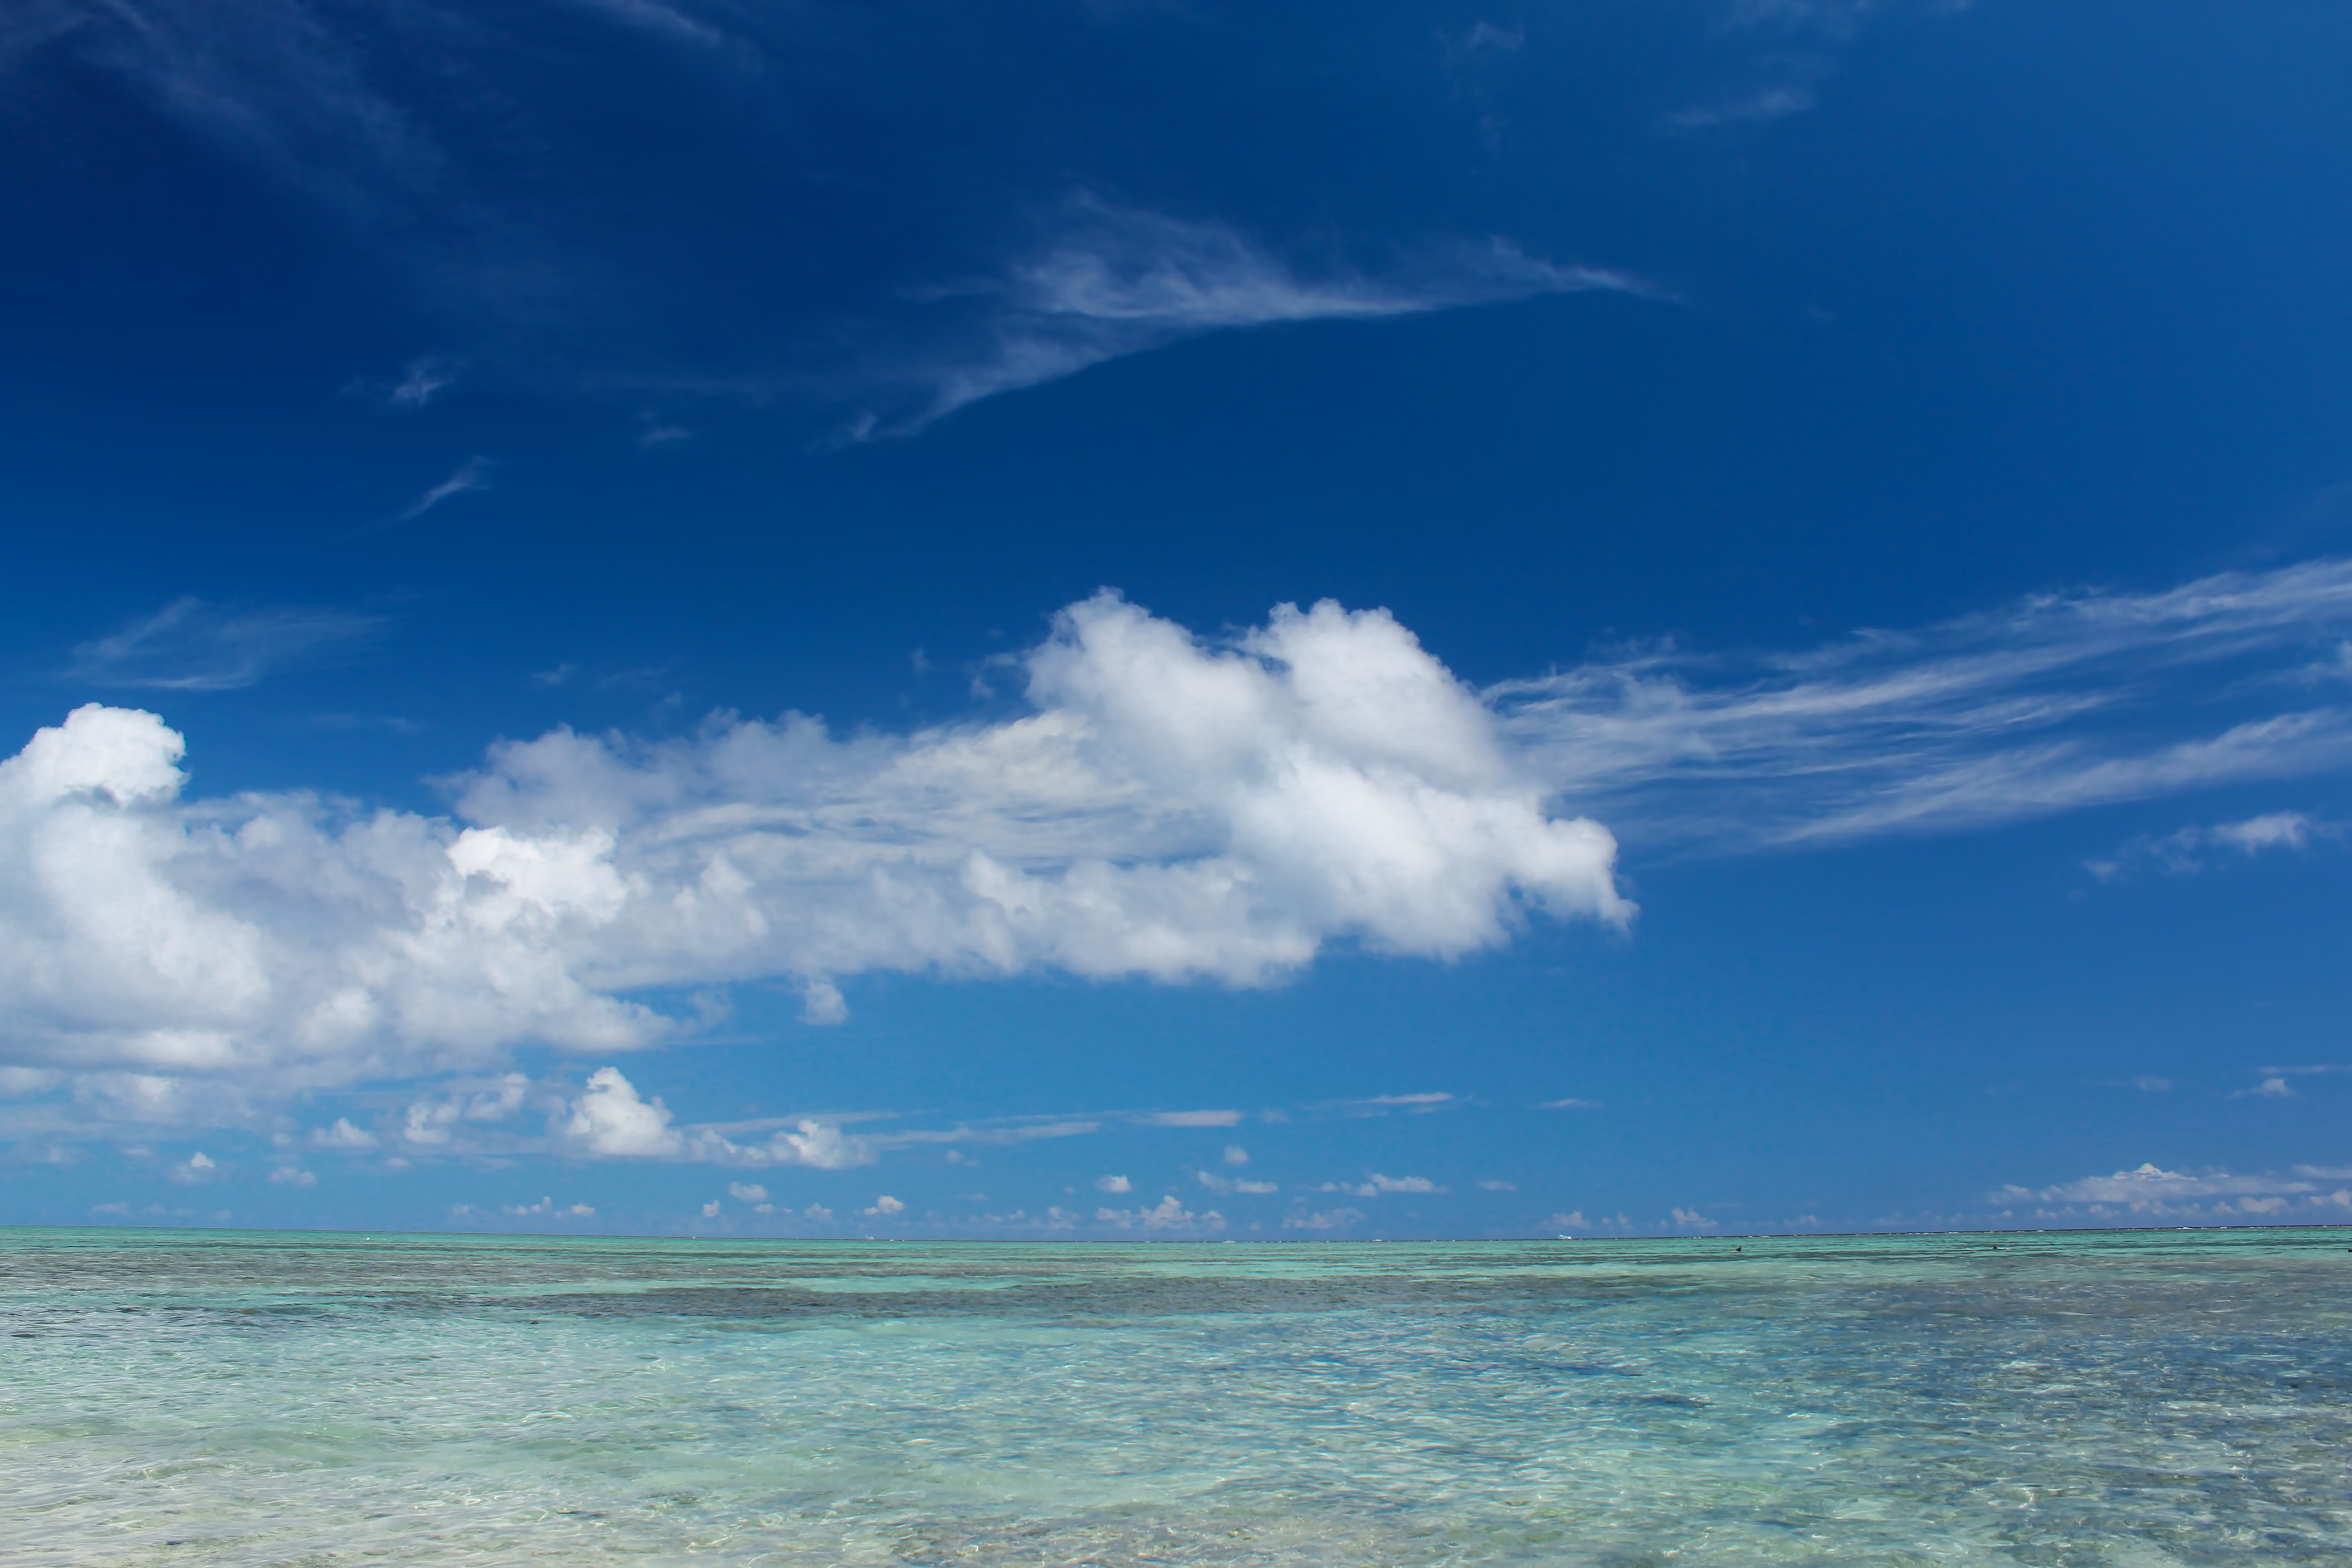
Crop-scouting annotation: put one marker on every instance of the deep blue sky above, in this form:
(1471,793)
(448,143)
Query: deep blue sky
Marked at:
(1890,465)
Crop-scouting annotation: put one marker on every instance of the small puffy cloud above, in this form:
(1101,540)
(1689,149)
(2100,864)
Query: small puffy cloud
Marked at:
(746,1192)
(610,1119)
(1572,1220)
(1691,1220)
(823,1003)
(293,1176)
(710,1209)
(1375,1184)
(820,1144)
(2269,1089)
(1235,1154)
(816,1212)
(884,1208)
(1165,1215)
(197,1167)
(1189,1119)
(343,1135)
(1113,1185)
(435,1123)
(1225,1184)
(2195,849)
(547,1208)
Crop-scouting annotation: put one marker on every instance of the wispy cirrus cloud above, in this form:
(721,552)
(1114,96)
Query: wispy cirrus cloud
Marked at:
(1112,280)
(1802,42)
(2060,701)
(1165,809)
(471,475)
(190,645)
(440,137)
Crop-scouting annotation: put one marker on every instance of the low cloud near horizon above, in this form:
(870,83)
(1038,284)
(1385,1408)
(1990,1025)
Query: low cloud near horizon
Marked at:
(1167,808)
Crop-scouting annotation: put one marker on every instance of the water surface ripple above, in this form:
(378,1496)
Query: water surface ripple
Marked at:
(2143,1398)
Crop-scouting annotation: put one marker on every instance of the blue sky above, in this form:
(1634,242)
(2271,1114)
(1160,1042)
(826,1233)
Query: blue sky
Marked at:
(1175,620)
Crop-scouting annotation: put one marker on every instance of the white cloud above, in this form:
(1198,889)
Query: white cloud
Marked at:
(1382,1104)
(1115,280)
(1569,1105)
(1328,1219)
(2190,848)
(1113,1185)
(191,646)
(1572,1220)
(823,1003)
(1165,1215)
(547,1207)
(2055,703)
(1492,1184)
(1166,810)
(472,475)
(1236,1156)
(1226,1184)
(1189,1119)
(1691,1220)
(821,1144)
(293,1176)
(746,1192)
(2148,1188)
(343,1135)
(710,1209)
(611,1120)
(436,1123)
(1377,1186)
(198,1167)
(884,1207)
(421,382)
(2269,1089)
(818,1211)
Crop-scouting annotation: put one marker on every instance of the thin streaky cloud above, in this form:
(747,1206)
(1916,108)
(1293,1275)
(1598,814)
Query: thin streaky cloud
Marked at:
(425,380)
(192,646)
(1114,280)
(2057,703)
(471,475)
(665,21)
(1168,809)
(1189,1119)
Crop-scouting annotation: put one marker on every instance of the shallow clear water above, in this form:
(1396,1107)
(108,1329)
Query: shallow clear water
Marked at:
(2148,1398)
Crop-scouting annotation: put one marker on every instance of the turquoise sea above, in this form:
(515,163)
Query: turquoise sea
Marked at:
(2129,1398)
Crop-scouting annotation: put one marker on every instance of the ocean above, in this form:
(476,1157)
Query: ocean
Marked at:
(2129,1398)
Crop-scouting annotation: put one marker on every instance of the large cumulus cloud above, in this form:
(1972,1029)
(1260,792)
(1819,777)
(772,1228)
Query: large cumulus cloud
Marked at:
(1165,809)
